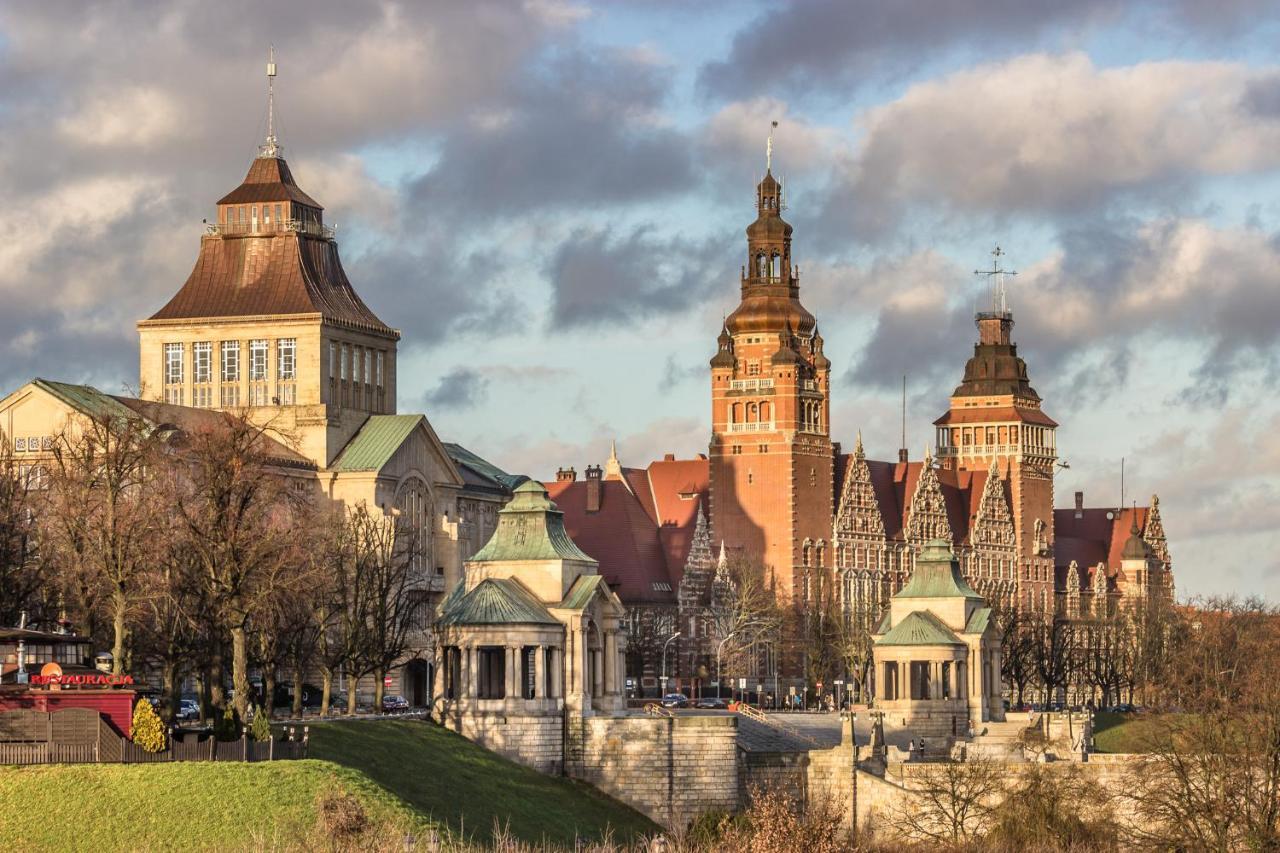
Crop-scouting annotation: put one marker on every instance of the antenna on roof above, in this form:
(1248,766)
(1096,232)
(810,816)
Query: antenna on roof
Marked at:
(995,275)
(768,148)
(1121,482)
(902,448)
(270,148)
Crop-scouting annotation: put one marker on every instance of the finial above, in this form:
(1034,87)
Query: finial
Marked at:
(723,557)
(768,148)
(270,148)
(613,450)
(995,275)
(857,445)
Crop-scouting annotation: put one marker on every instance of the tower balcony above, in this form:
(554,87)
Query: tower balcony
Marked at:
(269,227)
(753,426)
(762,384)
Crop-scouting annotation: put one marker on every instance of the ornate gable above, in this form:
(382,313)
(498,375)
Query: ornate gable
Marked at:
(928,516)
(859,512)
(699,567)
(993,523)
(1154,532)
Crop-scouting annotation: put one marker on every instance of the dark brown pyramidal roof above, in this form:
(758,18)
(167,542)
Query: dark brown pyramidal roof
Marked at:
(271,267)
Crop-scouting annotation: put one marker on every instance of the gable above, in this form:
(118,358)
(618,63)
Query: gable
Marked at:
(395,445)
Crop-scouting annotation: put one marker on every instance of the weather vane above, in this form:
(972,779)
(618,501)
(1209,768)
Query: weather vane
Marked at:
(996,275)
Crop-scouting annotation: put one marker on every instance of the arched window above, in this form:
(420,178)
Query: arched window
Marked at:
(753,413)
(761,265)
(735,416)
(775,267)
(766,413)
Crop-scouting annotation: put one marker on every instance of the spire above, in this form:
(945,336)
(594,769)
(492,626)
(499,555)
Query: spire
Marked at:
(768,148)
(902,448)
(723,559)
(271,147)
(857,447)
(612,467)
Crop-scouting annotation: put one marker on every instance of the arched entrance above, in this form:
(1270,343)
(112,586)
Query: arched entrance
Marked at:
(418,682)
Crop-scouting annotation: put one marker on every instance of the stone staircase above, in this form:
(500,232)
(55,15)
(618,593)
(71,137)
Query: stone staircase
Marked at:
(998,741)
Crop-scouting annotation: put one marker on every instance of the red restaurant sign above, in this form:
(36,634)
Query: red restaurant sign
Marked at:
(51,674)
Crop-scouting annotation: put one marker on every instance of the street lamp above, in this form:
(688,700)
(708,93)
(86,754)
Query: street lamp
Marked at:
(664,660)
(720,647)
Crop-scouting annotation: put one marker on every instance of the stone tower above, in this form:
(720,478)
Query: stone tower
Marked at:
(995,419)
(771,462)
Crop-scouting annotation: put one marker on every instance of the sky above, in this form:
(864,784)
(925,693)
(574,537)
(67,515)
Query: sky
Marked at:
(548,199)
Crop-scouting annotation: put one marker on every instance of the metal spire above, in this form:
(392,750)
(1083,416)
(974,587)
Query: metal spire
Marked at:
(768,148)
(270,148)
(995,275)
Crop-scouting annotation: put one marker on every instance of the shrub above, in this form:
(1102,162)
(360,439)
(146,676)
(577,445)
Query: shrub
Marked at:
(339,813)
(148,730)
(260,728)
(227,727)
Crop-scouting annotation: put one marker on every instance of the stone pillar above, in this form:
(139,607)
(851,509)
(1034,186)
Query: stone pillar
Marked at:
(513,672)
(440,658)
(539,672)
(471,674)
(610,663)
(557,672)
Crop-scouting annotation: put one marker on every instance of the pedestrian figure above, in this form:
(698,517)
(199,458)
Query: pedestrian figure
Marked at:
(911,749)
(922,749)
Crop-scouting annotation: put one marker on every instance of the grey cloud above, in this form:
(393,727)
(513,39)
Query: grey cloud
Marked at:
(677,372)
(829,46)
(580,133)
(461,388)
(599,276)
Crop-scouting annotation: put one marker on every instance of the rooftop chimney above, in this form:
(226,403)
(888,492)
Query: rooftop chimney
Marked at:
(566,475)
(1079,504)
(669,457)
(593,476)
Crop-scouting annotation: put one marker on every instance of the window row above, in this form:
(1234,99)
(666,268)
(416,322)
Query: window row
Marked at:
(357,376)
(231,368)
(1033,436)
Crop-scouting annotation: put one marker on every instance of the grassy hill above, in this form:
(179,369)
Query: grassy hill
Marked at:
(1127,732)
(447,778)
(406,774)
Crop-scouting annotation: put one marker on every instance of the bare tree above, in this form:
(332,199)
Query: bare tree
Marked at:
(951,802)
(743,618)
(22,572)
(102,518)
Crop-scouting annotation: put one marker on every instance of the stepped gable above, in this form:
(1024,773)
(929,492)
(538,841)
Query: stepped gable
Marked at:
(273,268)
(895,486)
(678,487)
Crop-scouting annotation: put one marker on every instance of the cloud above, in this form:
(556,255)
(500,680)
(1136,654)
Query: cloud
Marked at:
(599,275)
(835,45)
(461,388)
(582,132)
(1050,135)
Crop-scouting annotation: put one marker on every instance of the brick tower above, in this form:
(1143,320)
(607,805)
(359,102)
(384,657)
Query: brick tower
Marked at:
(995,416)
(771,454)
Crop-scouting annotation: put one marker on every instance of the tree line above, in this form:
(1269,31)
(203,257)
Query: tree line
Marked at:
(205,553)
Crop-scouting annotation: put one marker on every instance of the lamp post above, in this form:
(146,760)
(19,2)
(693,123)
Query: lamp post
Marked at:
(720,648)
(664,660)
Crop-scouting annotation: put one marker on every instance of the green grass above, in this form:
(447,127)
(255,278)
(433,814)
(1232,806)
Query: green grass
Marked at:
(185,806)
(1127,732)
(447,778)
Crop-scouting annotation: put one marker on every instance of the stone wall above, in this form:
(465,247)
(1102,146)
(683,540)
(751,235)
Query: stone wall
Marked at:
(672,769)
(535,741)
(810,776)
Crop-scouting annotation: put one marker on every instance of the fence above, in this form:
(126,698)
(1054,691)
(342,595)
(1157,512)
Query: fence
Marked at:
(82,736)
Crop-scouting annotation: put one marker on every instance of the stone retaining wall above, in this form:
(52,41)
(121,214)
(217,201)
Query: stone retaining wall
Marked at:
(533,741)
(672,769)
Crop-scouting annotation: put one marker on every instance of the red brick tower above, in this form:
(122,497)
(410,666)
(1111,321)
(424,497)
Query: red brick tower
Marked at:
(995,415)
(771,456)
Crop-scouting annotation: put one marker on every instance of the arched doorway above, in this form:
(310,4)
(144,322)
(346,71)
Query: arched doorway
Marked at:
(418,682)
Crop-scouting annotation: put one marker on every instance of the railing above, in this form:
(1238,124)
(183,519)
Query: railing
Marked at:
(750,384)
(653,709)
(241,229)
(809,384)
(752,427)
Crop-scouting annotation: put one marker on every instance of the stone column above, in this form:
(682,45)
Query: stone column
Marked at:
(539,672)
(513,672)
(610,663)
(440,659)
(471,674)
(557,673)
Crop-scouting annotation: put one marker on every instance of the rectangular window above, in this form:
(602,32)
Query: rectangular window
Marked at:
(278,216)
(258,361)
(202,397)
(173,396)
(378,377)
(287,359)
(202,362)
(333,360)
(368,367)
(230,396)
(173,358)
(492,681)
(230,361)
(345,361)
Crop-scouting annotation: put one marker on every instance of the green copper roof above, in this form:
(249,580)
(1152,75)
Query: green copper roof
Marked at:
(494,601)
(920,628)
(978,621)
(377,441)
(530,528)
(86,399)
(937,574)
(580,593)
(483,468)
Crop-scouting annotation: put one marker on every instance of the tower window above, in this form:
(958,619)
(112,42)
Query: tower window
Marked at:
(230,361)
(202,362)
(173,354)
(258,361)
(287,359)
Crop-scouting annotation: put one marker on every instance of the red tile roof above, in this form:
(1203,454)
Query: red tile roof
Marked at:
(621,536)
(678,487)
(895,485)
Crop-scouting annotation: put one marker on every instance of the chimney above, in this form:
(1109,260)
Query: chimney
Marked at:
(902,454)
(593,476)
(669,457)
(566,475)
(1079,504)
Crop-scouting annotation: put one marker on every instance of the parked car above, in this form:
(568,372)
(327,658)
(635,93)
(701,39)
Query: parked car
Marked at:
(711,703)
(394,704)
(188,709)
(675,700)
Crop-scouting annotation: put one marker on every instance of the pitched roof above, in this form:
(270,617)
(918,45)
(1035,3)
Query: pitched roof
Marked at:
(999,414)
(937,575)
(494,601)
(530,527)
(375,442)
(920,628)
(677,487)
(978,621)
(622,536)
(579,595)
(895,485)
(269,179)
(1093,537)
(480,474)
(85,399)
